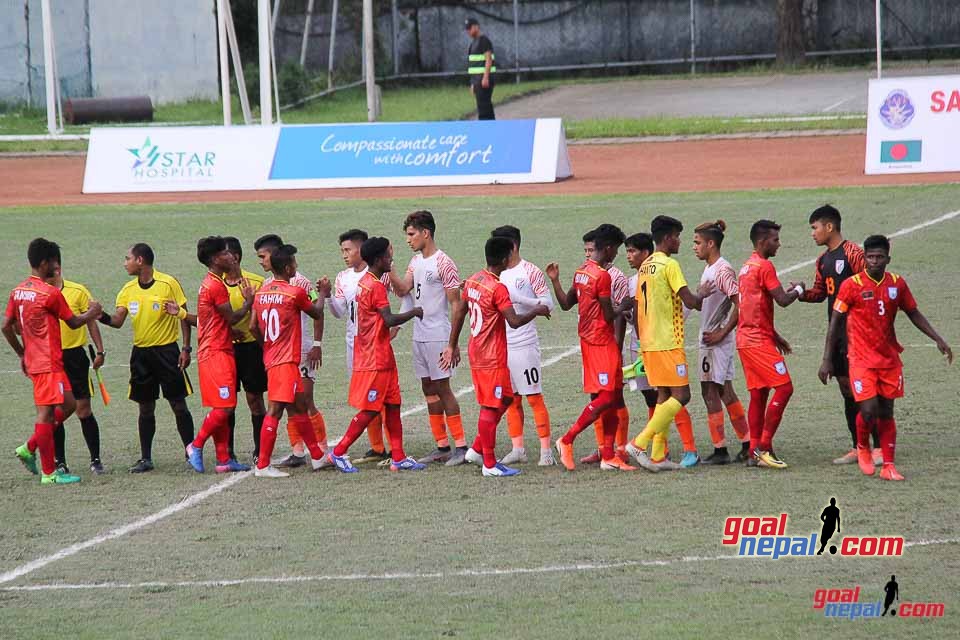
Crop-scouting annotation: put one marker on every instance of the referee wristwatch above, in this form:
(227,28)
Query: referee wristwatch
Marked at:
(188,349)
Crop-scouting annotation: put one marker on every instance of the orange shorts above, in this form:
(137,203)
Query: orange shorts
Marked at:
(371,390)
(283,382)
(869,383)
(763,367)
(666,368)
(48,388)
(218,380)
(602,368)
(490,385)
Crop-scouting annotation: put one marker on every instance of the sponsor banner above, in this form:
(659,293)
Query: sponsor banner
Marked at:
(913,125)
(130,160)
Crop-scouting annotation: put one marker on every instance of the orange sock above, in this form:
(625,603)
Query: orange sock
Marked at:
(541,418)
(738,419)
(623,427)
(715,422)
(685,428)
(439,429)
(598,430)
(455,424)
(650,411)
(295,440)
(320,429)
(375,434)
(515,418)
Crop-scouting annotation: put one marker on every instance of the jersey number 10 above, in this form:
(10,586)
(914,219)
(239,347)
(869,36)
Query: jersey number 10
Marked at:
(271,324)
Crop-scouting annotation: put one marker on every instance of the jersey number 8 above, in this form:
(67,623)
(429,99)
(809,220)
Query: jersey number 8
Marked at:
(271,324)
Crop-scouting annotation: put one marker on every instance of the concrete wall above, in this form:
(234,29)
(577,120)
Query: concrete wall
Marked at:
(167,50)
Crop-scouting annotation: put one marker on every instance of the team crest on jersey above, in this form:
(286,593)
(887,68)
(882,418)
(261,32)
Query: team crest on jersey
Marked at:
(603,379)
(498,392)
(839,265)
(519,283)
(867,295)
(781,367)
(892,292)
(134,308)
(372,395)
(156,306)
(224,393)
(858,386)
(682,370)
(429,277)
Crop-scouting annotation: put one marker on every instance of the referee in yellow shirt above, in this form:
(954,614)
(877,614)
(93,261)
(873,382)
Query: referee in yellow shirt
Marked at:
(246,350)
(156,360)
(76,364)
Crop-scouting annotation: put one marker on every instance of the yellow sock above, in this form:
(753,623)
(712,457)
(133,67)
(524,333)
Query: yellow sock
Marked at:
(659,451)
(660,422)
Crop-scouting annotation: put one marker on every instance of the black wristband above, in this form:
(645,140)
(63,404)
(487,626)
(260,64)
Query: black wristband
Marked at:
(105,318)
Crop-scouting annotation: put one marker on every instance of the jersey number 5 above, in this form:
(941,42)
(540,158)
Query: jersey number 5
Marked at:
(476,318)
(271,324)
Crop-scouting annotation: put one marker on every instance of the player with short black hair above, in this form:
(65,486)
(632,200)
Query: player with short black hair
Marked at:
(375,383)
(34,309)
(760,347)
(491,310)
(527,287)
(840,260)
(870,300)
(276,320)
(157,363)
(432,282)
(76,364)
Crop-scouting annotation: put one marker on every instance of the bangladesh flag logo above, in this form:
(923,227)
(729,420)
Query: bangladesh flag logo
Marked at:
(901,151)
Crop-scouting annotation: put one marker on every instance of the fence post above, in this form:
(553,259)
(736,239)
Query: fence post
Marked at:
(333,42)
(693,36)
(307,24)
(396,36)
(516,40)
(879,42)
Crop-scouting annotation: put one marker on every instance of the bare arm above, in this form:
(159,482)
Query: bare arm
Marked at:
(833,337)
(396,319)
(401,286)
(516,320)
(10,333)
(97,339)
(566,299)
(457,304)
(784,298)
(450,357)
(920,322)
(690,299)
(715,337)
(92,313)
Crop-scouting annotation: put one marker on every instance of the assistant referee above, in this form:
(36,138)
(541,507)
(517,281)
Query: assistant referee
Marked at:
(156,361)
(481,68)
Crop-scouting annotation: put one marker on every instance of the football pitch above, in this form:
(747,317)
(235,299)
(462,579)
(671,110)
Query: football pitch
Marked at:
(446,553)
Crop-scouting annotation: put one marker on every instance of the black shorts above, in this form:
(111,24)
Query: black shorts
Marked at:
(76,364)
(250,371)
(156,368)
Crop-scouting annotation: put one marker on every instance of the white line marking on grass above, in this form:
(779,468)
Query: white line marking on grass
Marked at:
(74,549)
(850,116)
(836,104)
(435,575)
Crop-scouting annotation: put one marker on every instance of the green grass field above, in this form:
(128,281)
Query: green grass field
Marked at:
(550,554)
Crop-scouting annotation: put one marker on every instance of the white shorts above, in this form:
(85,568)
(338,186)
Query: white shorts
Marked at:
(349,361)
(426,360)
(716,364)
(305,370)
(525,369)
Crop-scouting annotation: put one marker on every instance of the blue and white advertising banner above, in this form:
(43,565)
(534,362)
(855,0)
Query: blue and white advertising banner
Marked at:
(913,125)
(130,160)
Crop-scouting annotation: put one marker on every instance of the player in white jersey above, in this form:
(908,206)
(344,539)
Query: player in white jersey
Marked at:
(528,288)
(343,306)
(432,283)
(718,343)
(310,355)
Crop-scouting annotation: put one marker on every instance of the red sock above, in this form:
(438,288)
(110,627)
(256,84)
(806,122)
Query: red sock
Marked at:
(211,424)
(221,439)
(888,438)
(357,426)
(864,429)
(778,404)
(394,426)
(44,435)
(610,424)
(589,415)
(758,406)
(487,434)
(268,438)
(305,428)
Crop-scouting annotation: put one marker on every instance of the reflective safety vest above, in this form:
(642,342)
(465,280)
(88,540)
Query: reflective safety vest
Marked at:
(477,63)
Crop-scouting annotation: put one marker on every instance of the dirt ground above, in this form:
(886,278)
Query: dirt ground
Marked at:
(643,167)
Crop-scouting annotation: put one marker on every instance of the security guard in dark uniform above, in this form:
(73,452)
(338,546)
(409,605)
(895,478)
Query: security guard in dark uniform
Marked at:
(481,67)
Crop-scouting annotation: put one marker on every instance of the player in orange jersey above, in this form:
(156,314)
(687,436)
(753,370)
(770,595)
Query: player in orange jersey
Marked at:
(602,367)
(277,306)
(760,347)
(869,302)
(491,310)
(374,385)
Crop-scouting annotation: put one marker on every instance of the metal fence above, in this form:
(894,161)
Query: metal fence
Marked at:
(425,38)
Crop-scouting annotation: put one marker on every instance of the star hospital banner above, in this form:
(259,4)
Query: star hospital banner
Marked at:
(913,125)
(154,159)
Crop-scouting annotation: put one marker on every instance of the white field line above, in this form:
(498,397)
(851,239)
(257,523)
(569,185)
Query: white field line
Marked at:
(74,549)
(851,116)
(434,575)
(196,498)
(835,105)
